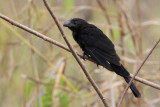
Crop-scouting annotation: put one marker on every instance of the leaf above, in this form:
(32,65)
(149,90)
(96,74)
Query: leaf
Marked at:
(28,89)
(63,99)
(47,98)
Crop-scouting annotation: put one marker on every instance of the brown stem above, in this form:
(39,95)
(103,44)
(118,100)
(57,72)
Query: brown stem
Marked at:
(63,46)
(139,28)
(105,11)
(76,56)
(137,72)
(156,86)
(151,84)
(122,33)
(129,24)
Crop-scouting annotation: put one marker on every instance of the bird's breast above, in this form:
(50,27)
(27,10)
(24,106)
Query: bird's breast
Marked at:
(79,40)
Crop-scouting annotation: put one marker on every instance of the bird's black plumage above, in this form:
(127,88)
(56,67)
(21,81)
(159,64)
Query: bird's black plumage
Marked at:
(99,47)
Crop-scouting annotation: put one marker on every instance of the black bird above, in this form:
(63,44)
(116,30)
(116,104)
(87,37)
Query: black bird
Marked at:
(99,47)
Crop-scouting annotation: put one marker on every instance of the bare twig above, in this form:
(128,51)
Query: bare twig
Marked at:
(43,83)
(35,80)
(122,32)
(105,11)
(115,85)
(137,72)
(34,32)
(146,82)
(63,46)
(128,22)
(130,28)
(76,56)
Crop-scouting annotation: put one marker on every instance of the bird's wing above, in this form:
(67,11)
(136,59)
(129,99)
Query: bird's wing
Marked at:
(100,47)
(98,58)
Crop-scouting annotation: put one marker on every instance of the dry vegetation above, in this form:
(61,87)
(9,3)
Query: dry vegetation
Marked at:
(36,73)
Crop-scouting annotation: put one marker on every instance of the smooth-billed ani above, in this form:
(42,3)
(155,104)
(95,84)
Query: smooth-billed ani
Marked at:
(99,47)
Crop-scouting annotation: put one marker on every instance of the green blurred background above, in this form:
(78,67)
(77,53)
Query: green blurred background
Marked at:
(35,73)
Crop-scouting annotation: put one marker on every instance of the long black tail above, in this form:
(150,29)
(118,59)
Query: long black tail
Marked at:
(120,70)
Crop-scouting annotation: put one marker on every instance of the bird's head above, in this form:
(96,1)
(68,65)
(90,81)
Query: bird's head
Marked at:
(75,24)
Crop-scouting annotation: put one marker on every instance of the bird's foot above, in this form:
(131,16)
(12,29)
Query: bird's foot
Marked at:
(84,56)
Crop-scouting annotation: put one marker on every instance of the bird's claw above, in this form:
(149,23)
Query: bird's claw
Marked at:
(83,57)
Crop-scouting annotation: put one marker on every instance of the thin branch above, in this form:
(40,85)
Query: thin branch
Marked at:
(122,32)
(137,72)
(63,46)
(105,11)
(33,32)
(75,55)
(151,84)
(128,23)
(43,83)
(35,80)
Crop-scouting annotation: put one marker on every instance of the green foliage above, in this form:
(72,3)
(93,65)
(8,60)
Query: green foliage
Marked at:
(68,4)
(116,33)
(63,99)
(24,53)
(47,98)
(28,89)
(129,43)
